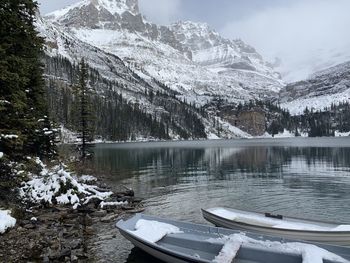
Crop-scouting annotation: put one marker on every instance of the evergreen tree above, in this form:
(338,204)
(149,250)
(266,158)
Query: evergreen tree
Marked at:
(86,121)
(22,93)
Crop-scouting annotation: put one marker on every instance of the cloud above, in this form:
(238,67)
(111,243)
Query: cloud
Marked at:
(47,6)
(161,11)
(308,35)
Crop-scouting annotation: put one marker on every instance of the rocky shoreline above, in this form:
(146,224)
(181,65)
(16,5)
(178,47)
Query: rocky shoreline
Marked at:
(62,234)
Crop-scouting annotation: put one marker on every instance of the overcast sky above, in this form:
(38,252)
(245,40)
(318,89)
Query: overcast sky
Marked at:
(293,30)
(215,12)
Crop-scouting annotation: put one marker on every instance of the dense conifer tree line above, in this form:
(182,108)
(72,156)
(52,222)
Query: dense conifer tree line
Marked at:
(310,122)
(24,128)
(116,119)
(313,123)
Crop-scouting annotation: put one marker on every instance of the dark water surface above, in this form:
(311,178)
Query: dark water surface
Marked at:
(300,177)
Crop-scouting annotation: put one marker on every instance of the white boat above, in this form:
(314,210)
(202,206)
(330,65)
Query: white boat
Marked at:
(277,225)
(178,242)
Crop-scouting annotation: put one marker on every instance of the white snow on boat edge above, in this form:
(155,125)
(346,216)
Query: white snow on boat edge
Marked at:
(153,231)
(310,253)
(261,220)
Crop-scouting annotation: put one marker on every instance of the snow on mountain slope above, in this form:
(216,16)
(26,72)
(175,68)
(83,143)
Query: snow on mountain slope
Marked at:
(188,57)
(132,86)
(111,67)
(169,66)
(210,49)
(323,88)
(59,43)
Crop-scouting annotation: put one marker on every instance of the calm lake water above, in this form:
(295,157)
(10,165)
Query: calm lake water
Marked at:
(300,177)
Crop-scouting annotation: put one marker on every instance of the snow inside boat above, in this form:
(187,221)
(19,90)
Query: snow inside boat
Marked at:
(288,227)
(179,242)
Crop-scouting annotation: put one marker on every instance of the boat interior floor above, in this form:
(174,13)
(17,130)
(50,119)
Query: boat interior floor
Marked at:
(197,246)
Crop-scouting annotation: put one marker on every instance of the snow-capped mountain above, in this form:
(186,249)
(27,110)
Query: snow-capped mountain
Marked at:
(115,75)
(190,58)
(187,61)
(60,43)
(319,91)
(208,48)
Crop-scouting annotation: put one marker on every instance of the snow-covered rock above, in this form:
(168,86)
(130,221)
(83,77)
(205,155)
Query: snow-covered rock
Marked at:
(56,185)
(6,220)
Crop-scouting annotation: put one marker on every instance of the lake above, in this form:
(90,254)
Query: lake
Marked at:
(302,177)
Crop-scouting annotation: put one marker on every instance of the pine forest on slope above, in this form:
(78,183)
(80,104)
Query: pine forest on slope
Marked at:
(163,76)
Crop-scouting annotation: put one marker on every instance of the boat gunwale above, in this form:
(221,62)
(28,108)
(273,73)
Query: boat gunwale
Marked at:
(279,229)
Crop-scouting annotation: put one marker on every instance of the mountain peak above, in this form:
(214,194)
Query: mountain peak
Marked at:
(99,7)
(199,28)
(118,6)
(191,24)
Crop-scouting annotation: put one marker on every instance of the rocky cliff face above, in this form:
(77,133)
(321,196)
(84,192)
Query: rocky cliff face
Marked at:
(114,15)
(99,12)
(210,49)
(190,58)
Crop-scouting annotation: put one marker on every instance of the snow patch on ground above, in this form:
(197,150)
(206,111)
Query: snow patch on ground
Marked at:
(236,131)
(341,134)
(87,178)
(9,136)
(284,134)
(213,136)
(6,220)
(112,204)
(1,155)
(229,131)
(68,136)
(309,253)
(153,231)
(58,185)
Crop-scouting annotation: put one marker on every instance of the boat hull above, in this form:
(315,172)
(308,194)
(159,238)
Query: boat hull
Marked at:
(196,243)
(153,251)
(335,238)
